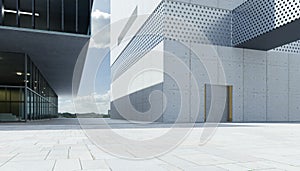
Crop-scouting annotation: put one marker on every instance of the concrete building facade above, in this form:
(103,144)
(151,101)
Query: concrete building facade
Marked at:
(198,43)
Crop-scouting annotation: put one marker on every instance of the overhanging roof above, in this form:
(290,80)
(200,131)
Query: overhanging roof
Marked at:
(265,25)
(54,53)
(278,37)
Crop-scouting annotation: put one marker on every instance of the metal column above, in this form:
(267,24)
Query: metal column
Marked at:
(76,25)
(25,91)
(1,12)
(62,15)
(33,14)
(48,14)
(90,19)
(18,13)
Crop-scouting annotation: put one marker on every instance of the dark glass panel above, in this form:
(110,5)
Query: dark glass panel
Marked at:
(15,95)
(4,107)
(41,99)
(70,15)
(2,94)
(83,16)
(55,15)
(41,10)
(17,109)
(10,12)
(1,12)
(26,13)
(12,69)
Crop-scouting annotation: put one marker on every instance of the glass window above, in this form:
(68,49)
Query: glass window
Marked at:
(40,96)
(12,69)
(1,12)
(10,13)
(4,107)
(2,94)
(41,10)
(17,109)
(26,13)
(55,15)
(16,95)
(83,16)
(70,15)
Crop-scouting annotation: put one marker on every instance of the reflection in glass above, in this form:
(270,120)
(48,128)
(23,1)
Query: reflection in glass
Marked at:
(41,100)
(72,16)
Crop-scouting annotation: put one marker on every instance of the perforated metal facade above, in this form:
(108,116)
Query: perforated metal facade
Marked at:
(207,25)
(176,21)
(256,17)
(198,24)
(146,39)
(181,21)
(289,48)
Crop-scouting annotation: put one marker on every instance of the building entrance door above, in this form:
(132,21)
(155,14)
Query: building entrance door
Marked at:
(218,103)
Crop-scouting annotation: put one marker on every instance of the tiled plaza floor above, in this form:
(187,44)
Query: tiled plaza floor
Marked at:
(61,145)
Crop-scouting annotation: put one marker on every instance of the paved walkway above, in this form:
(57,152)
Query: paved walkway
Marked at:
(61,144)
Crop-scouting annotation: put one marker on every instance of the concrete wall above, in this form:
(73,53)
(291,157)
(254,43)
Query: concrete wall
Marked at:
(136,106)
(176,85)
(132,91)
(265,84)
(205,65)
(294,88)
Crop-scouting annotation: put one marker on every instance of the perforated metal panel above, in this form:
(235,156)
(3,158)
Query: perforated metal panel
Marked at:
(290,48)
(177,21)
(150,35)
(256,17)
(198,24)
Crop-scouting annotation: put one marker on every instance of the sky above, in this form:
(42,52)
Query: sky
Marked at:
(95,79)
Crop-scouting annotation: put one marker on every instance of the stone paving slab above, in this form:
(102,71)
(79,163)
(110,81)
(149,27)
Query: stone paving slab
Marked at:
(51,145)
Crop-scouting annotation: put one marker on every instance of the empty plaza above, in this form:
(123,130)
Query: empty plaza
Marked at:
(61,144)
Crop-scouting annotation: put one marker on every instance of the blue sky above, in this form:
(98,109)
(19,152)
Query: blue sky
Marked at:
(102,5)
(98,49)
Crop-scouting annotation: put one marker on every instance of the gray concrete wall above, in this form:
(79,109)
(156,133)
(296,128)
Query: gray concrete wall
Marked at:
(176,75)
(294,88)
(136,105)
(265,84)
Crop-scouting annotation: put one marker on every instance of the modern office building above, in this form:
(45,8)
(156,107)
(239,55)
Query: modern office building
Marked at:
(40,41)
(205,55)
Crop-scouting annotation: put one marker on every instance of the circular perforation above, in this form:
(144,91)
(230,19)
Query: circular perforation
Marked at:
(290,48)
(198,24)
(256,17)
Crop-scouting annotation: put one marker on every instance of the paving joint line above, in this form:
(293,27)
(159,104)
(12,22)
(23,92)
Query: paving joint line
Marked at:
(9,160)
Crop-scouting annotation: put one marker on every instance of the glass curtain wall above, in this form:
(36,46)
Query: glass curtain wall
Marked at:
(12,67)
(41,99)
(11,103)
(71,16)
(24,95)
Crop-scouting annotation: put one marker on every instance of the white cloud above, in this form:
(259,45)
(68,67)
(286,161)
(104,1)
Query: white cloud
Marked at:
(100,25)
(97,103)
(65,104)
(101,41)
(103,102)
(97,14)
(100,29)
